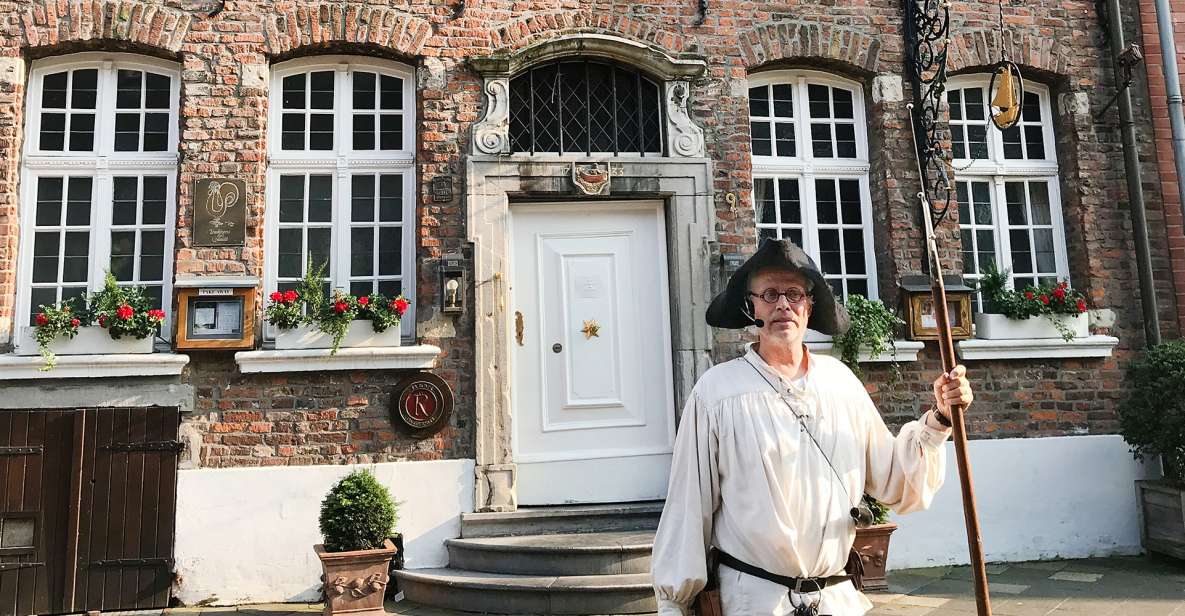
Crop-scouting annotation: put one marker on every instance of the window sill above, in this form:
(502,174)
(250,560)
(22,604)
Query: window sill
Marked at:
(416,357)
(907,350)
(1044,348)
(14,367)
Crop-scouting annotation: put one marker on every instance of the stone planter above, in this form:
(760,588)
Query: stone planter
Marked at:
(1162,512)
(873,545)
(999,327)
(355,582)
(91,340)
(360,334)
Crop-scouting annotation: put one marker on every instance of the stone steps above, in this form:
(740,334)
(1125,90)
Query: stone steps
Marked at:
(586,559)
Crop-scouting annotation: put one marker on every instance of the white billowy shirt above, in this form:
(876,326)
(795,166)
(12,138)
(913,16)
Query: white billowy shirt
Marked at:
(747,479)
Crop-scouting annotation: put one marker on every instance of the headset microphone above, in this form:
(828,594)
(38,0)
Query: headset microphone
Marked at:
(749,313)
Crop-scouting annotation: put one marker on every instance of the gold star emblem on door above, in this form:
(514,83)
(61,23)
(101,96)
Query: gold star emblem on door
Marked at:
(591,330)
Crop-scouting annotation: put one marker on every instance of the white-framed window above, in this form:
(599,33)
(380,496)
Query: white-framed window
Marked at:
(341,183)
(810,172)
(1007,186)
(99,178)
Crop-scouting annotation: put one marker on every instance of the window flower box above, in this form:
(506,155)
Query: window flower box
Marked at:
(361,334)
(989,326)
(90,340)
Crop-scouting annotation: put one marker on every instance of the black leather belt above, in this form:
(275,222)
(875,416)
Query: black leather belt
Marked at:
(800,585)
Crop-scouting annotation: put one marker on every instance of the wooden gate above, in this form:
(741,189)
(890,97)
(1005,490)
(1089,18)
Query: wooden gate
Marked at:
(88,509)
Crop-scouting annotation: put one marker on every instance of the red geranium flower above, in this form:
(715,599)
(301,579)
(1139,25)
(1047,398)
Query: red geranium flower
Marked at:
(276,296)
(124,312)
(400,305)
(1045,299)
(1059,293)
(290,296)
(1028,295)
(1081,306)
(75,322)
(340,307)
(362,301)
(102,320)
(158,315)
(42,319)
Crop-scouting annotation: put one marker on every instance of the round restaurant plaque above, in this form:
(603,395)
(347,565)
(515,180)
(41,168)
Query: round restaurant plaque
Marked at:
(421,404)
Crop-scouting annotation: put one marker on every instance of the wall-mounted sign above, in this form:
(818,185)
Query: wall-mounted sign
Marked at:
(421,404)
(442,189)
(215,318)
(219,212)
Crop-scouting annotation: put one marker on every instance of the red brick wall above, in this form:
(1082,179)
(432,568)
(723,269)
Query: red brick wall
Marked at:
(313,418)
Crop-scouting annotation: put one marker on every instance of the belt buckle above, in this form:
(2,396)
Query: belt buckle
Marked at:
(798,585)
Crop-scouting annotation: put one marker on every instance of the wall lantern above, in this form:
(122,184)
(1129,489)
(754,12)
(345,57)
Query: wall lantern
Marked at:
(452,283)
(919,307)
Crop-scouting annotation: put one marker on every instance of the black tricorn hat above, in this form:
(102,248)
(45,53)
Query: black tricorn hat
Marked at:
(727,309)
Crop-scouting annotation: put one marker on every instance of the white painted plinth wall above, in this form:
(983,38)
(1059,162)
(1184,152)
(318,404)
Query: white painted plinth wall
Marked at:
(246,535)
(1038,498)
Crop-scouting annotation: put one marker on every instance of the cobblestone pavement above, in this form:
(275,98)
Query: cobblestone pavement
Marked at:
(1136,586)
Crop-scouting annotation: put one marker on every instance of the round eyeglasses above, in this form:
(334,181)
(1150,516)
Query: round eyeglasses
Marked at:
(794,296)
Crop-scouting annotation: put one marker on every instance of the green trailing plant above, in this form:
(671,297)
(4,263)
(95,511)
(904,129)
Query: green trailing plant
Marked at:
(872,329)
(57,320)
(122,311)
(334,317)
(1030,301)
(357,514)
(1152,417)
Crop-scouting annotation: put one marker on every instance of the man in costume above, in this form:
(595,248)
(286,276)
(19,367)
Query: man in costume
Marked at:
(775,450)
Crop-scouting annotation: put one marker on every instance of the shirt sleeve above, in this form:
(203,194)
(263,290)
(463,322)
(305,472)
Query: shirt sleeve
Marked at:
(906,471)
(679,565)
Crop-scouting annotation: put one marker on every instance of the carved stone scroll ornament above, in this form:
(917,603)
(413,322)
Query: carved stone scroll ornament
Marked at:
(491,135)
(685,138)
(358,587)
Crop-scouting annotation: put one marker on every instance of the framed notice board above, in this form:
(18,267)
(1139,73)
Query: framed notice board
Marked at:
(215,318)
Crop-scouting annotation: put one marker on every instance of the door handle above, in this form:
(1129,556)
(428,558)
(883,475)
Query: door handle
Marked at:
(518,327)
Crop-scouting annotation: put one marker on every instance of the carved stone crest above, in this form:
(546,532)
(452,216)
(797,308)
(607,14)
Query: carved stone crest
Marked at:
(592,178)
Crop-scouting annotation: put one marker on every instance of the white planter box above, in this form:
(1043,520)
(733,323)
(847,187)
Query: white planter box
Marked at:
(92,340)
(360,334)
(1000,327)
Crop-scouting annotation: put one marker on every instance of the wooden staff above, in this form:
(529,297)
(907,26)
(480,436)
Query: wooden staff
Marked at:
(946,346)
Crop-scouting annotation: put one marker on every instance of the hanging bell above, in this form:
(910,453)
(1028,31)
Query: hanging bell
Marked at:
(1008,88)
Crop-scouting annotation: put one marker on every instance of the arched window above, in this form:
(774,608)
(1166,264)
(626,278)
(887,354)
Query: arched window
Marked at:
(99,178)
(1009,204)
(585,106)
(341,183)
(810,172)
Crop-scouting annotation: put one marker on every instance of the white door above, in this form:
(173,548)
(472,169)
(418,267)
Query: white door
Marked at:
(592,398)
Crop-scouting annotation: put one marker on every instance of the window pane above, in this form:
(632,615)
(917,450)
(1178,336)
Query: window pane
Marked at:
(82,132)
(154,200)
(977,142)
(1014,194)
(156,132)
(53,91)
(1035,142)
(1043,250)
(845,140)
(363,132)
(358,288)
(391,198)
(857,287)
(849,197)
(292,131)
(1011,138)
(843,103)
(49,202)
(986,247)
(958,141)
(825,202)
(127,132)
(390,288)
(785,138)
(320,131)
(289,262)
(390,251)
(319,248)
(820,106)
(362,251)
(965,238)
(1021,251)
(761,138)
(127,92)
(763,199)
(123,201)
(364,94)
(77,248)
(321,90)
(157,91)
(53,131)
(41,297)
(964,203)
(821,140)
(84,88)
(783,100)
(791,207)
(1031,111)
(983,202)
(853,247)
(78,201)
(391,132)
(152,255)
(973,98)
(362,198)
(1039,202)
(759,101)
(45,256)
(320,198)
(392,96)
(829,255)
(294,92)
(955,100)
(123,251)
(795,236)
(291,198)
(767,233)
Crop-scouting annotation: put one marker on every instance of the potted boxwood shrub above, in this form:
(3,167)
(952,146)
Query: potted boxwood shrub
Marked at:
(872,543)
(1152,421)
(356,520)
(1033,312)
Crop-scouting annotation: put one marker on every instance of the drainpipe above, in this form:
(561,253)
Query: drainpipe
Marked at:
(1172,84)
(1135,190)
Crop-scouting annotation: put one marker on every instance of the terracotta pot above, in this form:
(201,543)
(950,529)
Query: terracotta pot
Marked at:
(873,545)
(355,581)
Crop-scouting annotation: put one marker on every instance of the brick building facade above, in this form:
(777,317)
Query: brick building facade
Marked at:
(464,169)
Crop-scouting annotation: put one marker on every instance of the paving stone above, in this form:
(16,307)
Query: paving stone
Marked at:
(921,601)
(1008,589)
(1075,576)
